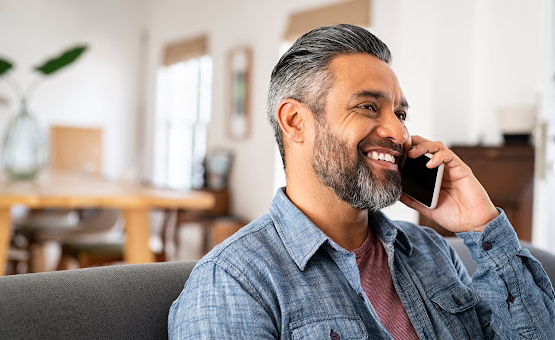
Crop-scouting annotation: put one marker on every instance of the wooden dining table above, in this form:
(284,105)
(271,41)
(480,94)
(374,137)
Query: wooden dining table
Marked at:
(74,190)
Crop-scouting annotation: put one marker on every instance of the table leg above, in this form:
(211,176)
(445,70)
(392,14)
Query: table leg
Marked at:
(137,235)
(5,233)
(38,258)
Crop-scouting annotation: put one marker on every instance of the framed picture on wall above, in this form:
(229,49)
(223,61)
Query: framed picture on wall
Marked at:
(240,66)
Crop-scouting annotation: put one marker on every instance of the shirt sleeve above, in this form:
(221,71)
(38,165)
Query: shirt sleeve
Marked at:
(517,298)
(217,304)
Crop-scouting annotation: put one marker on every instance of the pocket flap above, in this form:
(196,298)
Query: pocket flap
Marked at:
(455,299)
(327,327)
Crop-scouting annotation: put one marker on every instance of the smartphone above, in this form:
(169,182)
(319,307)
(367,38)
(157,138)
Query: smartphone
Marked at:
(421,183)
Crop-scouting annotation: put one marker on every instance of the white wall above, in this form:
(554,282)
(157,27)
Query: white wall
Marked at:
(458,61)
(99,89)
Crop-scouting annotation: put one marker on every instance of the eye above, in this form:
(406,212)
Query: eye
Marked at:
(370,107)
(366,109)
(402,115)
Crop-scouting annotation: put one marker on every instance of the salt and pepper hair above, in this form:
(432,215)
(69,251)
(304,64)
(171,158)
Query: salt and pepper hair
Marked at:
(303,72)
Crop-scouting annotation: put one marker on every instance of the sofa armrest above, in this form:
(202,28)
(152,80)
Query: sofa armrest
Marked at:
(117,302)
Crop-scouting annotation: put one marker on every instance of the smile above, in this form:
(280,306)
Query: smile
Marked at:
(381,157)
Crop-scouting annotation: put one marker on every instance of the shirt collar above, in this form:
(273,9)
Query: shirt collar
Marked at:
(389,232)
(302,238)
(299,235)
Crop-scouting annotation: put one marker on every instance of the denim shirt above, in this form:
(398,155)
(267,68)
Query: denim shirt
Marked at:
(280,277)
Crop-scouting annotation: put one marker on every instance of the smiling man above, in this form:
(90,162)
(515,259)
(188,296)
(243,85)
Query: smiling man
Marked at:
(324,262)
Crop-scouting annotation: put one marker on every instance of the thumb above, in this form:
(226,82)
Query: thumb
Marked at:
(413,204)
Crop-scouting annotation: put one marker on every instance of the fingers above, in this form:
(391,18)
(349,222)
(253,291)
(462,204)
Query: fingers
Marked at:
(408,201)
(440,157)
(418,140)
(422,145)
(441,154)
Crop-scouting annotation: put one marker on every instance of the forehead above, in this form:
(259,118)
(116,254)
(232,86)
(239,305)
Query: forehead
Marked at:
(354,73)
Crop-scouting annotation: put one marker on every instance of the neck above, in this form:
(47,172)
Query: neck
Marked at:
(345,225)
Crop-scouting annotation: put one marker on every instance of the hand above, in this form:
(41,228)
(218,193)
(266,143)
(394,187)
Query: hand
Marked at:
(463,204)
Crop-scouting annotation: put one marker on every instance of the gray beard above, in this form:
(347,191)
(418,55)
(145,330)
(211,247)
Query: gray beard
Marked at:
(351,179)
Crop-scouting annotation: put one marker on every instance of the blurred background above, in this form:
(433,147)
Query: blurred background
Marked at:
(178,87)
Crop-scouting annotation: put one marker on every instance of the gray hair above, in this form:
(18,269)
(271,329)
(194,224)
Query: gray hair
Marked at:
(303,73)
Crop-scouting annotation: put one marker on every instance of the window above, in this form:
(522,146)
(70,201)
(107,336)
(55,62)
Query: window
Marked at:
(183,106)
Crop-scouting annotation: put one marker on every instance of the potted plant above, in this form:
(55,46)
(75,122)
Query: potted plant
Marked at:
(24,148)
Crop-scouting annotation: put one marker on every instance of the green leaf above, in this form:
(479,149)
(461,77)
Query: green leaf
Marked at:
(5,66)
(56,63)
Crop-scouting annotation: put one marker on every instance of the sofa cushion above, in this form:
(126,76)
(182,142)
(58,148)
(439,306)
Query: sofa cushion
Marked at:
(116,302)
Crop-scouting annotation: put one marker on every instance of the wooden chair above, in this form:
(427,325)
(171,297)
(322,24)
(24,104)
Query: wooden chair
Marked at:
(94,254)
(76,149)
(18,256)
(72,149)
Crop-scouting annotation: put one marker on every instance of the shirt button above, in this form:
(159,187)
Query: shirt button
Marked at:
(457,301)
(360,296)
(510,298)
(487,246)
(334,336)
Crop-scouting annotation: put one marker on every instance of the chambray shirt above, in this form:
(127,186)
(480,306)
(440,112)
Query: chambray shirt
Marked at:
(280,277)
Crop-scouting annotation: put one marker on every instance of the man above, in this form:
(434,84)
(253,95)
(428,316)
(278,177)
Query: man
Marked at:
(325,262)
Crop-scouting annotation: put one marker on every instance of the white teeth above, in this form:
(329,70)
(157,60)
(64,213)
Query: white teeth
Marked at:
(381,157)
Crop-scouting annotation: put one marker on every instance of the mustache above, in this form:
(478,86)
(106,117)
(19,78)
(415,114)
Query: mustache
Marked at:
(383,143)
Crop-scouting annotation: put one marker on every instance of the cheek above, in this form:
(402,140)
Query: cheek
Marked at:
(361,130)
(407,145)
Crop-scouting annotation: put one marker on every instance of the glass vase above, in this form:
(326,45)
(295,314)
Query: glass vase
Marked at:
(24,149)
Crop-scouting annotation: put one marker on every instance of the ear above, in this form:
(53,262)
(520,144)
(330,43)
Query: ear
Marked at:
(292,117)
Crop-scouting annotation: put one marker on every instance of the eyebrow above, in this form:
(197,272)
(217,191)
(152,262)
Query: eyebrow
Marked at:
(378,95)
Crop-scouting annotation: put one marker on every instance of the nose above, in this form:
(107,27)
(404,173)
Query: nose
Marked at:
(393,129)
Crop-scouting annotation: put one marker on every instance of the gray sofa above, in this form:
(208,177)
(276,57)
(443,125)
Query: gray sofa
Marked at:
(117,302)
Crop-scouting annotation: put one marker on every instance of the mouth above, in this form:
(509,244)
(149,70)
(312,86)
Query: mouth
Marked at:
(387,159)
(384,157)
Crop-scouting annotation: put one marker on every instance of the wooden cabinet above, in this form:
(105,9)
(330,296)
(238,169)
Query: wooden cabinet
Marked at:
(507,174)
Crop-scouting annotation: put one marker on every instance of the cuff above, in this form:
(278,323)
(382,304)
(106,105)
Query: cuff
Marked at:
(495,245)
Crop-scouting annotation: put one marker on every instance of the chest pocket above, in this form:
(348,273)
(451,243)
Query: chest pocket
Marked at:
(339,328)
(456,304)
(455,299)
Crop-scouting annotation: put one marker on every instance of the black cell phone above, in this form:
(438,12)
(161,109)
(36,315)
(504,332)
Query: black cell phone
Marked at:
(421,183)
